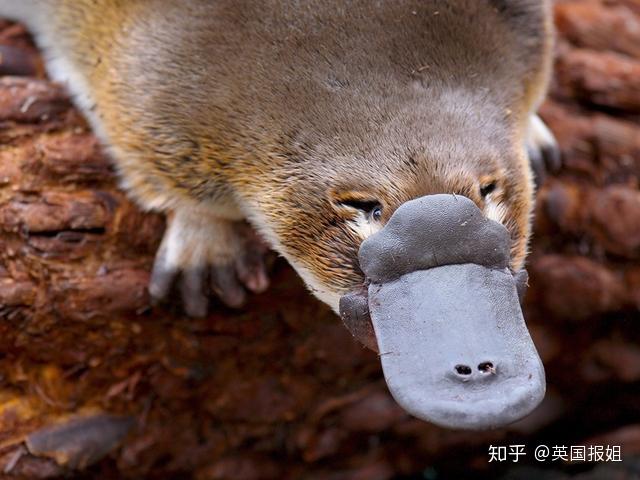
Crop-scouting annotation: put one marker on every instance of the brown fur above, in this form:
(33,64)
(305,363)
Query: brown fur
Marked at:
(281,111)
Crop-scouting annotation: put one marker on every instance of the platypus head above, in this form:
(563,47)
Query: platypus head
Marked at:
(443,308)
(339,194)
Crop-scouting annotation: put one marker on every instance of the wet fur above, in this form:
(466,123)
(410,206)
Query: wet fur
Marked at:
(273,112)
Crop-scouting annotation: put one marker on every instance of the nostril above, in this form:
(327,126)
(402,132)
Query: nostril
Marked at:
(463,369)
(487,367)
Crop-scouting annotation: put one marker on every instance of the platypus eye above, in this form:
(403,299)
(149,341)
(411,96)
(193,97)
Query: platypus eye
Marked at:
(371,208)
(487,188)
(348,203)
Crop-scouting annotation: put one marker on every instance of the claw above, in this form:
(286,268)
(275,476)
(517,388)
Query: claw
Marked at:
(195,301)
(162,278)
(544,152)
(252,272)
(226,286)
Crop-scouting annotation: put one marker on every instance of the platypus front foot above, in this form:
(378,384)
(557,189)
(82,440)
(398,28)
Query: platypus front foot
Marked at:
(202,254)
(544,152)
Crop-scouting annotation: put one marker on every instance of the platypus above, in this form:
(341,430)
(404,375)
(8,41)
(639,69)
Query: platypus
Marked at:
(302,125)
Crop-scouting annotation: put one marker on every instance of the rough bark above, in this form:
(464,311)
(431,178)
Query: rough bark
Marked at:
(96,381)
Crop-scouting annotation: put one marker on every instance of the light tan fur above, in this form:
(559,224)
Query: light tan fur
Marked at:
(285,113)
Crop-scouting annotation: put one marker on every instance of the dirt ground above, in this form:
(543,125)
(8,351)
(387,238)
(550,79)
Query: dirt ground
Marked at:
(95,383)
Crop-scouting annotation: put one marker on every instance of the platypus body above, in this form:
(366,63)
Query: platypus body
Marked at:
(312,122)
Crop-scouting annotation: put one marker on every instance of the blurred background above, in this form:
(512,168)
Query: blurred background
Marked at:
(280,390)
